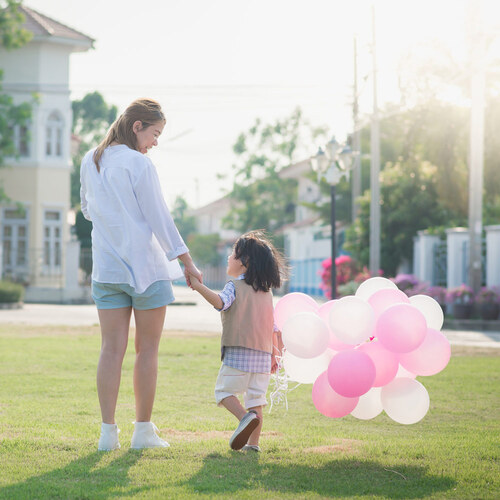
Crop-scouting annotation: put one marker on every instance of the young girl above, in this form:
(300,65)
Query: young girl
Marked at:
(249,340)
(135,247)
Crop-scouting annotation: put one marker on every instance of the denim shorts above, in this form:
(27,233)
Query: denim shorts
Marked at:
(116,295)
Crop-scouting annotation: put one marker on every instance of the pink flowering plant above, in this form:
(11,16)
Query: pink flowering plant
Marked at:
(349,275)
(488,295)
(409,284)
(462,294)
(438,293)
(346,271)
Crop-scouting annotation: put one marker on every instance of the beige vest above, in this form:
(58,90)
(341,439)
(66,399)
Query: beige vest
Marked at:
(250,319)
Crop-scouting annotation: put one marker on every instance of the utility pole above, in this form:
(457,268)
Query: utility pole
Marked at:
(356,142)
(374,167)
(477,51)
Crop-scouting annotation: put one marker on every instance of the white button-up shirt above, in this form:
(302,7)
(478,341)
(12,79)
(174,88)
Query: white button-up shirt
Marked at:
(134,238)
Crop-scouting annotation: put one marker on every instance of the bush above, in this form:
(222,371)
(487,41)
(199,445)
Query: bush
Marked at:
(410,284)
(438,293)
(462,294)
(10,292)
(488,295)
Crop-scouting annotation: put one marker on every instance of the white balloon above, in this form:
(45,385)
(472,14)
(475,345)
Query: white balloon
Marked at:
(403,372)
(369,405)
(306,371)
(431,309)
(405,400)
(372,285)
(352,320)
(305,335)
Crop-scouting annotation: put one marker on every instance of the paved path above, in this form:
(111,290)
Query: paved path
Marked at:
(190,313)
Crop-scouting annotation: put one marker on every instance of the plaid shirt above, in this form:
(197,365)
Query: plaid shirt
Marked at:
(242,358)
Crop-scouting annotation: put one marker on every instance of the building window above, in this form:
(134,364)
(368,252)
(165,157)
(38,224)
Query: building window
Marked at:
(52,241)
(14,235)
(54,135)
(21,140)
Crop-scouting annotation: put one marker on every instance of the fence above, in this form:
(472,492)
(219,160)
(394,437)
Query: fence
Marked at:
(440,264)
(85,267)
(304,276)
(465,261)
(39,268)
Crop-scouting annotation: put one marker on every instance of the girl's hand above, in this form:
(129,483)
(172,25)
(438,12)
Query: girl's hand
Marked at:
(195,282)
(274,364)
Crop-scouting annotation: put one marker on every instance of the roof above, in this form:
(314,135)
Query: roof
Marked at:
(295,170)
(214,206)
(44,27)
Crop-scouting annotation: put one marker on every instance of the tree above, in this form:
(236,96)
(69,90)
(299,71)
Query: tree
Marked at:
(12,33)
(91,118)
(203,248)
(12,36)
(186,224)
(260,198)
(409,203)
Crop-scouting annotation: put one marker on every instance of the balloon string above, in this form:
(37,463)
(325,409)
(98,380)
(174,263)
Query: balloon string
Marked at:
(281,389)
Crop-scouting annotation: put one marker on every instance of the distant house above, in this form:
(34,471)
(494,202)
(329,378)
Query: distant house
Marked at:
(36,244)
(307,242)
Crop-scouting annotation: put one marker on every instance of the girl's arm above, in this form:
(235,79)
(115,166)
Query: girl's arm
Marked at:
(209,295)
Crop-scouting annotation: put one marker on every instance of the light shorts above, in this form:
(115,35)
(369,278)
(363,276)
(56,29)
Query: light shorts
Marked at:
(116,295)
(232,382)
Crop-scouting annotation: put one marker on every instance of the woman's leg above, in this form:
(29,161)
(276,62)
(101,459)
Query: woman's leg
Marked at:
(149,327)
(114,331)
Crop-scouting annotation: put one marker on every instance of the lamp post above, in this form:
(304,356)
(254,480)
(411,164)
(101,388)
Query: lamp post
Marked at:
(331,164)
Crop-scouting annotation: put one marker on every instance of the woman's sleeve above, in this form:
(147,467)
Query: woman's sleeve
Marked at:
(152,204)
(83,199)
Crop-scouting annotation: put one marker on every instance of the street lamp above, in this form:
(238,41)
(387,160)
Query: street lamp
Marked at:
(331,164)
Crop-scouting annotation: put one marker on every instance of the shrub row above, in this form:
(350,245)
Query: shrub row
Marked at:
(11,292)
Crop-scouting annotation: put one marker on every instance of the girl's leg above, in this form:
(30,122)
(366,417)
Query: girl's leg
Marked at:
(254,437)
(232,403)
(114,331)
(149,327)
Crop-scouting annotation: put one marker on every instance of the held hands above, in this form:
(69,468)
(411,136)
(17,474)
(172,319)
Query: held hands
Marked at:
(191,272)
(194,282)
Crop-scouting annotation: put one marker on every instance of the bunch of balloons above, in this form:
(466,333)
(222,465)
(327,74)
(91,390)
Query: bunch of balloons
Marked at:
(362,352)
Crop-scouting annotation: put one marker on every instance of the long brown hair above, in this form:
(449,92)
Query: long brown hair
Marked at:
(266,266)
(147,111)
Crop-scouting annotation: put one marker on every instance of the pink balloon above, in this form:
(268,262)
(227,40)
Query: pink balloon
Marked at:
(351,373)
(335,343)
(401,328)
(430,357)
(382,299)
(293,303)
(386,362)
(328,402)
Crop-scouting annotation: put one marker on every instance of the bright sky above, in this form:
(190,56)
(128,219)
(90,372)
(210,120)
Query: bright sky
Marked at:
(217,65)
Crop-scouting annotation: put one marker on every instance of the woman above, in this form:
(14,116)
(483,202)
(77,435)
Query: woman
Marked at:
(135,247)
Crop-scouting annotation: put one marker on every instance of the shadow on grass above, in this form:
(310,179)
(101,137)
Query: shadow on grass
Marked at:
(82,478)
(336,478)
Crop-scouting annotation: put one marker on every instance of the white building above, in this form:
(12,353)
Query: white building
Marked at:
(36,243)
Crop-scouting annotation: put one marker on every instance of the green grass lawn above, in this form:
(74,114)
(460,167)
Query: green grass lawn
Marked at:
(50,423)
